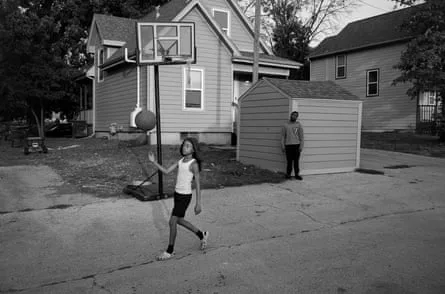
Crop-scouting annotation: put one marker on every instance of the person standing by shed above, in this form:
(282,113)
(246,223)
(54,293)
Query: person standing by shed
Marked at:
(292,142)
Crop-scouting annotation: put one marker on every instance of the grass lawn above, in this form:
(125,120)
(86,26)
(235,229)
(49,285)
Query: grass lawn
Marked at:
(404,142)
(105,167)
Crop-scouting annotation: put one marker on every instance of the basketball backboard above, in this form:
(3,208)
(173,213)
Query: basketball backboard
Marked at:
(166,42)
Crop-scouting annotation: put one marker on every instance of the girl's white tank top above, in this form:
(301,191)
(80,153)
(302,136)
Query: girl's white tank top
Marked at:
(184,178)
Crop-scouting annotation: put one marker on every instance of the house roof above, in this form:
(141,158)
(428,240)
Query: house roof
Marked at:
(115,28)
(123,30)
(167,12)
(131,45)
(374,31)
(310,89)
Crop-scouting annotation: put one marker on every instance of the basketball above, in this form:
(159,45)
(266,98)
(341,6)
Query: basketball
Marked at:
(145,120)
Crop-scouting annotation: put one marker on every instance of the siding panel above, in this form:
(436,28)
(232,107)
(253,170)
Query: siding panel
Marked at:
(116,97)
(238,32)
(392,109)
(215,60)
(331,134)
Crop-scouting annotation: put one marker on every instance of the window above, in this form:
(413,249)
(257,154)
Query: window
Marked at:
(428,98)
(372,82)
(100,61)
(340,66)
(193,88)
(222,17)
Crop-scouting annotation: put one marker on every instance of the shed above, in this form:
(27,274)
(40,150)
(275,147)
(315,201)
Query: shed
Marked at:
(331,119)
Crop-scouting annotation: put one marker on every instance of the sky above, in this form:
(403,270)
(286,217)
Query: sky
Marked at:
(364,9)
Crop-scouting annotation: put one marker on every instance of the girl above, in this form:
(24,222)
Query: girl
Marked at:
(189,167)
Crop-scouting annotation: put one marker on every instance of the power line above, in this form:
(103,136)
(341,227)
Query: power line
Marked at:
(363,2)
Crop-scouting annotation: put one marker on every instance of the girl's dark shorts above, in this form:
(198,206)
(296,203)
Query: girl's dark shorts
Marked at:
(181,202)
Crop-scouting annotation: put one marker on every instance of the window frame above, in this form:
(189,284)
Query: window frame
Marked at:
(377,82)
(337,66)
(184,95)
(226,30)
(431,94)
(100,61)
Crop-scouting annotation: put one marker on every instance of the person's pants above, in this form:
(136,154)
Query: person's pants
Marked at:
(292,156)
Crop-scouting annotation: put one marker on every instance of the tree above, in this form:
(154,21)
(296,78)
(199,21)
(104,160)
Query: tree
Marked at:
(289,26)
(43,46)
(290,36)
(33,72)
(318,17)
(422,63)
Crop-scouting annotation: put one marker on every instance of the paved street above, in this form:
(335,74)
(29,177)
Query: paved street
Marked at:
(337,233)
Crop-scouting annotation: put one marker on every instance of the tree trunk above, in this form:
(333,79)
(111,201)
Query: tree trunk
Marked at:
(38,121)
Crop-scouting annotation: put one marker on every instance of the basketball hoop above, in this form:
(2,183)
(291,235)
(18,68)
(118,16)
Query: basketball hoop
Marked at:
(165,42)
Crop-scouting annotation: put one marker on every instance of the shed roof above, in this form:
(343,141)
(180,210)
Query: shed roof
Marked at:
(309,89)
(378,30)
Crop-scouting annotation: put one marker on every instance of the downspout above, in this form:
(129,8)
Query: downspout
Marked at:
(238,127)
(93,79)
(138,79)
(148,87)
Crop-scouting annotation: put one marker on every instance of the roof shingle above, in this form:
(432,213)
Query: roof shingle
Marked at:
(311,89)
(377,30)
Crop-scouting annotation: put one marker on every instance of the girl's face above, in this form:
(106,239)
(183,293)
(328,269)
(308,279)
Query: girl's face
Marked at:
(187,148)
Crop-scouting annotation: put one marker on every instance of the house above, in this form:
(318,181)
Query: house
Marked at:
(331,119)
(361,59)
(224,41)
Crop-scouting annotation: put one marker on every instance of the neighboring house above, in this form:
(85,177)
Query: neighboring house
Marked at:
(223,71)
(361,59)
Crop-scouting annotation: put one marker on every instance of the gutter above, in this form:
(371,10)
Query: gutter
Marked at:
(266,63)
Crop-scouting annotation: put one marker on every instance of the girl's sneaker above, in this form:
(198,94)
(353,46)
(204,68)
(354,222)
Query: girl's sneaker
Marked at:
(204,240)
(165,255)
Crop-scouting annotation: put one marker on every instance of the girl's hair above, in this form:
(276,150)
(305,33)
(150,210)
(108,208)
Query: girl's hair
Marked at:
(195,153)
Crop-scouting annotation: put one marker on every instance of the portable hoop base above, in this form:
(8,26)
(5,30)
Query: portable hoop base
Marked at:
(145,193)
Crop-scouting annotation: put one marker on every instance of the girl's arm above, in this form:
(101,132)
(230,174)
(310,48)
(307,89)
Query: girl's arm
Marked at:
(195,170)
(151,157)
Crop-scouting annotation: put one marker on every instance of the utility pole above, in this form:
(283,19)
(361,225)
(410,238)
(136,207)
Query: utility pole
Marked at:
(256,43)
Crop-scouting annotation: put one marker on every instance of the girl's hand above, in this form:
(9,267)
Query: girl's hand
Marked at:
(197,209)
(151,157)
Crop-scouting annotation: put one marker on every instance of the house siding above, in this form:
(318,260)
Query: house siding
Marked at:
(215,59)
(392,109)
(263,113)
(116,97)
(331,128)
(331,134)
(239,34)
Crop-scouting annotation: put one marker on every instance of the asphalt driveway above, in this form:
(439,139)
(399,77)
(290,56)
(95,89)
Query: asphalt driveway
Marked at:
(337,233)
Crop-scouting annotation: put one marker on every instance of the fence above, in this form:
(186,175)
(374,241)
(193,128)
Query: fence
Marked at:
(427,119)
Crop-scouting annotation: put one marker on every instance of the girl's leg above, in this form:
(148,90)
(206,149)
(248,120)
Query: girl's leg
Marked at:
(171,241)
(203,236)
(173,229)
(187,225)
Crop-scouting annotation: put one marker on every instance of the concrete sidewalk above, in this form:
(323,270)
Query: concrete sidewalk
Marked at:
(337,233)
(379,159)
